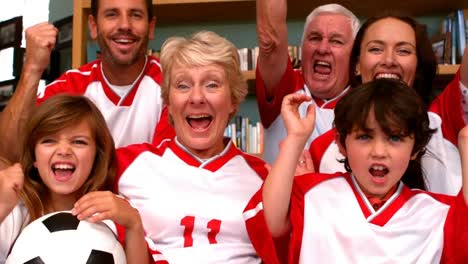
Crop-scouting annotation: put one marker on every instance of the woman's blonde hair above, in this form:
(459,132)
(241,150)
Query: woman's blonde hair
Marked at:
(202,49)
(55,114)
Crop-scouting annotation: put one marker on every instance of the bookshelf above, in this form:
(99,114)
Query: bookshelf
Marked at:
(190,12)
(196,11)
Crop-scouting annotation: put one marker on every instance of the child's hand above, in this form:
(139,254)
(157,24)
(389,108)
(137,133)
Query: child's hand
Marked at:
(295,125)
(305,164)
(11,184)
(102,205)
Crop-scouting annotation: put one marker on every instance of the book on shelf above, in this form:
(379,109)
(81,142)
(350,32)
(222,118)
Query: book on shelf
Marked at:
(455,38)
(248,57)
(246,136)
(461,34)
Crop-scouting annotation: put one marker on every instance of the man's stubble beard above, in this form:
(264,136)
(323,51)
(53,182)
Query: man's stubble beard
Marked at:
(108,56)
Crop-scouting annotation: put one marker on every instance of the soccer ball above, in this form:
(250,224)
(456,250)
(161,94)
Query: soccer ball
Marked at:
(61,238)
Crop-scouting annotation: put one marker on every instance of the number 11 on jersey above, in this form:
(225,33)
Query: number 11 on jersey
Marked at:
(213,226)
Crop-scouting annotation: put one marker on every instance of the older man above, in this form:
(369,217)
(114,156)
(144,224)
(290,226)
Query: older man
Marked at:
(327,40)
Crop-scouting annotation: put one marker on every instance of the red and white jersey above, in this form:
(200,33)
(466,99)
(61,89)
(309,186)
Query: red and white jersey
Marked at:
(333,222)
(441,163)
(131,119)
(270,111)
(192,208)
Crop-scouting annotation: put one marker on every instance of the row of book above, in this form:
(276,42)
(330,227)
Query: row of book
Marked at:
(245,135)
(248,57)
(450,44)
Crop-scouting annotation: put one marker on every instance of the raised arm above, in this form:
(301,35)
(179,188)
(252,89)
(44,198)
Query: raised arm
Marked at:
(40,40)
(463,148)
(464,69)
(272,42)
(278,185)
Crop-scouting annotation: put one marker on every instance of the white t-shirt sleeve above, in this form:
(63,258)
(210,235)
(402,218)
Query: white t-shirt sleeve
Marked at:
(10,228)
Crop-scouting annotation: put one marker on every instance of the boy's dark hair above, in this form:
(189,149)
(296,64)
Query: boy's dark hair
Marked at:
(149,8)
(427,64)
(398,110)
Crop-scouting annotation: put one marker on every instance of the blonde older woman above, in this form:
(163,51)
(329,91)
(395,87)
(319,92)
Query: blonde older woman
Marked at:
(191,191)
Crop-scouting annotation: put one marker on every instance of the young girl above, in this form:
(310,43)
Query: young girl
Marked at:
(67,156)
(371,213)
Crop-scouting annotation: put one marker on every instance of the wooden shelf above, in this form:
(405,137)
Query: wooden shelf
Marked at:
(249,75)
(197,11)
(447,69)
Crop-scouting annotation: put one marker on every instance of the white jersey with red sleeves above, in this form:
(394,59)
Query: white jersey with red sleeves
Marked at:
(441,162)
(192,208)
(275,130)
(333,222)
(131,119)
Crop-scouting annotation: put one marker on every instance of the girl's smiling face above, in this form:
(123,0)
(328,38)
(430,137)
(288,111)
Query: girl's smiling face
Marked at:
(65,159)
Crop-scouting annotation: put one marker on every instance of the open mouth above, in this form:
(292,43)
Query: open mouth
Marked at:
(378,171)
(388,76)
(63,171)
(199,122)
(322,67)
(124,40)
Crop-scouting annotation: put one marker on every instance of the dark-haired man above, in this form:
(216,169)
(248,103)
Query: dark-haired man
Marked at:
(124,83)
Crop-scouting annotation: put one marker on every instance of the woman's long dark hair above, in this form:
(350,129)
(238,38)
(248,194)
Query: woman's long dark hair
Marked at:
(427,64)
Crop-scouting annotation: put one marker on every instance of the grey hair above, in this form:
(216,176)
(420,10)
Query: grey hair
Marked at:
(334,9)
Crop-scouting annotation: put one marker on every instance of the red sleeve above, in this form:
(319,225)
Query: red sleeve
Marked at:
(448,105)
(56,87)
(456,232)
(260,235)
(164,129)
(270,108)
(73,82)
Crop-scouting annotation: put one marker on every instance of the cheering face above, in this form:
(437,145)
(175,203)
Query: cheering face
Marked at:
(122,30)
(377,160)
(65,159)
(200,105)
(388,50)
(326,50)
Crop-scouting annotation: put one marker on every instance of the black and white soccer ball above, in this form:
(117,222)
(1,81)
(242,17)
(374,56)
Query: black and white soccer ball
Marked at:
(61,238)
